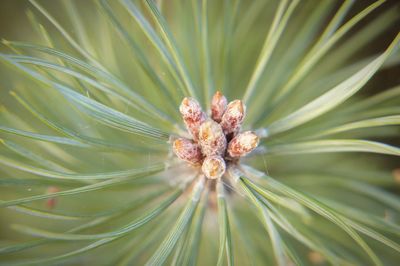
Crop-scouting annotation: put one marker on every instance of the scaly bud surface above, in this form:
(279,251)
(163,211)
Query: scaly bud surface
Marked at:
(192,115)
(187,150)
(212,139)
(218,106)
(233,117)
(209,146)
(213,167)
(242,144)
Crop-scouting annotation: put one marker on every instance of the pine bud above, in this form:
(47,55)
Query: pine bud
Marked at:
(213,167)
(218,106)
(233,117)
(192,115)
(242,144)
(211,138)
(190,109)
(187,150)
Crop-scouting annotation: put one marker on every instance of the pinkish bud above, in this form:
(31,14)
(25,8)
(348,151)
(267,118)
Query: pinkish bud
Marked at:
(187,150)
(242,144)
(211,138)
(233,117)
(190,109)
(192,115)
(213,167)
(218,106)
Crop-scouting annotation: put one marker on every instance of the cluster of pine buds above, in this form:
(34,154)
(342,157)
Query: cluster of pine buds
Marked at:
(217,140)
